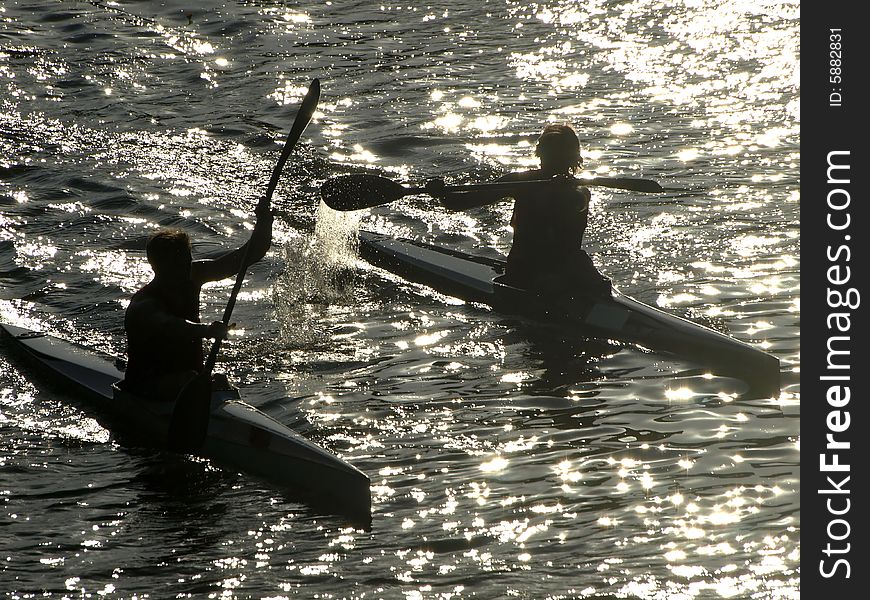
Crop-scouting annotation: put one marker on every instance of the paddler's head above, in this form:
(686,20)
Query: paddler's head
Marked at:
(559,149)
(168,251)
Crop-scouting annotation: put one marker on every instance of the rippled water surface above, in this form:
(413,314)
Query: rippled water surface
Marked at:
(506,461)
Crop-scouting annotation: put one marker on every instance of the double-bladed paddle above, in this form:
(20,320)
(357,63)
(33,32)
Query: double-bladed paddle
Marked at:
(361,190)
(189,424)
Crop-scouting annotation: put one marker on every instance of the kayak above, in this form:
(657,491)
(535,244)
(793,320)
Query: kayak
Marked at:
(239,435)
(616,316)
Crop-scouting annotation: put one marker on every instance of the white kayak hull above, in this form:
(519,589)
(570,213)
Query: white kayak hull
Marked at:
(615,317)
(239,435)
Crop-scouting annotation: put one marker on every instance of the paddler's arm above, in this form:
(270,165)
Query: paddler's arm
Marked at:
(457,201)
(146,316)
(231,263)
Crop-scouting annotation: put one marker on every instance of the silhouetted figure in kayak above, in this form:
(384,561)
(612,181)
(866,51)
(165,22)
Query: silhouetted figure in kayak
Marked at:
(164,334)
(548,223)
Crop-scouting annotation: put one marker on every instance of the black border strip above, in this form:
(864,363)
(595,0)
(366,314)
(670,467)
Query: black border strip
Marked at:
(834,258)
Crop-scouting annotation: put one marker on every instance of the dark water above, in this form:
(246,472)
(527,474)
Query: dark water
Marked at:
(506,461)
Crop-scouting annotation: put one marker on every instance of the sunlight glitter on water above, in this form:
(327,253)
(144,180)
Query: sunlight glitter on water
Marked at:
(462,402)
(117,268)
(34,255)
(495,465)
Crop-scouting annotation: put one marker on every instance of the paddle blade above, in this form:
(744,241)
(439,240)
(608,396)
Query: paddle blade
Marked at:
(358,191)
(303,118)
(189,424)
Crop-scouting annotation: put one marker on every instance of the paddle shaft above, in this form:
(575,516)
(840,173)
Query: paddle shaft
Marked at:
(362,190)
(500,186)
(188,427)
(510,186)
(303,117)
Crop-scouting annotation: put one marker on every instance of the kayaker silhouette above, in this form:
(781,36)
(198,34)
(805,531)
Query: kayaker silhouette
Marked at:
(162,322)
(548,222)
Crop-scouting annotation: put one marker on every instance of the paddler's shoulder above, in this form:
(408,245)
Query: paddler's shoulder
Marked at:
(151,295)
(144,293)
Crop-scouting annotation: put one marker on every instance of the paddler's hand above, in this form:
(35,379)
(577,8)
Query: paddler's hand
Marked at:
(264,213)
(217,330)
(261,237)
(436,188)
